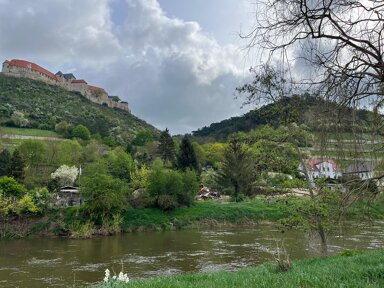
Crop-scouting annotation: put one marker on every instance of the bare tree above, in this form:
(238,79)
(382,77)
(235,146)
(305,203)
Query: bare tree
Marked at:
(342,39)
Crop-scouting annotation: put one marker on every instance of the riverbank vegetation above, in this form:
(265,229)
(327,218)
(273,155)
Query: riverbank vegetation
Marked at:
(91,182)
(349,269)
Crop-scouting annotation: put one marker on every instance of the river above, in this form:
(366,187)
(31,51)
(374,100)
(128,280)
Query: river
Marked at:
(56,262)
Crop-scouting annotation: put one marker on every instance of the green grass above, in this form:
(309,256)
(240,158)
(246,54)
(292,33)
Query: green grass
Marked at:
(255,210)
(361,270)
(28,132)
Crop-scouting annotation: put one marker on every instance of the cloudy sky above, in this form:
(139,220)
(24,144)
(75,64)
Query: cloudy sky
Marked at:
(176,62)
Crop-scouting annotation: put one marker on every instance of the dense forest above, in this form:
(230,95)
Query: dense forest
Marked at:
(299,109)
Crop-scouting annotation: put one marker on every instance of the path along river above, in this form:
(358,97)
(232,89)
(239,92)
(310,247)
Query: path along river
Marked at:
(55,262)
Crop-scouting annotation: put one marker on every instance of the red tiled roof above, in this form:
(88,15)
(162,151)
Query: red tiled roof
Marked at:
(32,66)
(312,163)
(96,89)
(79,81)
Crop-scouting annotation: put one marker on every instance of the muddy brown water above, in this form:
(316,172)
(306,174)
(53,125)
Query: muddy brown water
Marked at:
(48,262)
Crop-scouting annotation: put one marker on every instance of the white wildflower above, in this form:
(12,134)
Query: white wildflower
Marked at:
(107,274)
(123,277)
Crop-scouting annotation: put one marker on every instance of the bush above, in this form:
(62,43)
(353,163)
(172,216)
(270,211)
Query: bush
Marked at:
(10,187)
(104,194)
(82,132)
(172,188)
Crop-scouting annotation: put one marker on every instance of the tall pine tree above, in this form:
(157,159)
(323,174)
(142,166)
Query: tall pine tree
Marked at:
(238,168)
(5,160)
(16,167)
(187,156)
(166,147)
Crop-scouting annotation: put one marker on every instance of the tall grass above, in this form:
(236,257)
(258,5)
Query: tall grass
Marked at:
(362,270)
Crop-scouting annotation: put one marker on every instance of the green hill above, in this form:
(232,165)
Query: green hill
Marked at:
(315,113)
(45,105)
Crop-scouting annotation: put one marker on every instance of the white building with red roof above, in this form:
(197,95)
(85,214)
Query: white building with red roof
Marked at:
(322,168)
(26,69)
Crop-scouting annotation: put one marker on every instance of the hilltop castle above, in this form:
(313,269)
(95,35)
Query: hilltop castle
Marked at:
(25,69)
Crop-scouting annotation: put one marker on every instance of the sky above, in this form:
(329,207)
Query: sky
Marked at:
(176,62)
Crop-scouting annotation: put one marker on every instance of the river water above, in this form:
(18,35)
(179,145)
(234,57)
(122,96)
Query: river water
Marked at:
(47,262)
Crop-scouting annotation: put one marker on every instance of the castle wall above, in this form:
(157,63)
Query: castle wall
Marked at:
(25,69)
(25,72)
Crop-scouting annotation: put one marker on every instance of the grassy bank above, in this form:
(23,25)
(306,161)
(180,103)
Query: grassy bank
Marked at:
(28,132)
(206,213)
(75,221)
(361,270)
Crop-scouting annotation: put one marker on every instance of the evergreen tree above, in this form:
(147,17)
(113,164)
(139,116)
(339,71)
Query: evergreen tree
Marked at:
(166,147)
(238,168)
(187,156)
(5,160)
(16,167)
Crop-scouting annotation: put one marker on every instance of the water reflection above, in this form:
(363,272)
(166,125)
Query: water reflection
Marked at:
(63,262)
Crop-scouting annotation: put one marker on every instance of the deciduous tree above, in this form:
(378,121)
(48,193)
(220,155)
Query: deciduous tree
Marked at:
(342,41)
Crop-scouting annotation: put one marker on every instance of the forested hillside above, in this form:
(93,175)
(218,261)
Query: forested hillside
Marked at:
(304,109)
(43,106)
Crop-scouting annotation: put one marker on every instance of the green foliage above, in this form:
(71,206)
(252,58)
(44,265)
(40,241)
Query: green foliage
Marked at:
(104,194)
(81,132)
(321,212)
(120,164)
(362,270)
(238,169)
(186,158)
(214,153)
(10,187)
(142,137)
(109,141)
(18,119)
(210,178)
(41,101)
(69,153)
(32,151)
(41,197)
(5,161)
(139,177)
(166,147)
(16,167)
(171,188)
(27,206)
(62,128)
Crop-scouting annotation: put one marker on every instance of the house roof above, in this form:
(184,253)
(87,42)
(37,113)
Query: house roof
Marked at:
(312,164)
(96,89)
(69,76)
(361,167)
(69,189)
(79,81)
(32,66)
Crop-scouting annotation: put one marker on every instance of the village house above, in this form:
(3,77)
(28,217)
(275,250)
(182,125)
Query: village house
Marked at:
(362,169)
(26,69)
(68,196)
(321,168)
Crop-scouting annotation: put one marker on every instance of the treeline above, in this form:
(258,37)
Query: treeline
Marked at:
(163,174)
(299,109)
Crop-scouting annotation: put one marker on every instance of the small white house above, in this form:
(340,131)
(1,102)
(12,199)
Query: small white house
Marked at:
(322,168)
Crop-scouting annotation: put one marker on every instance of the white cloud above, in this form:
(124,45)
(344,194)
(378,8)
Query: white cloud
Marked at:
(171,72)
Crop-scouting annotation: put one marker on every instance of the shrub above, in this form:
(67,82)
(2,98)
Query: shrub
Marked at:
(171,189)
(82,132)
(10,187)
